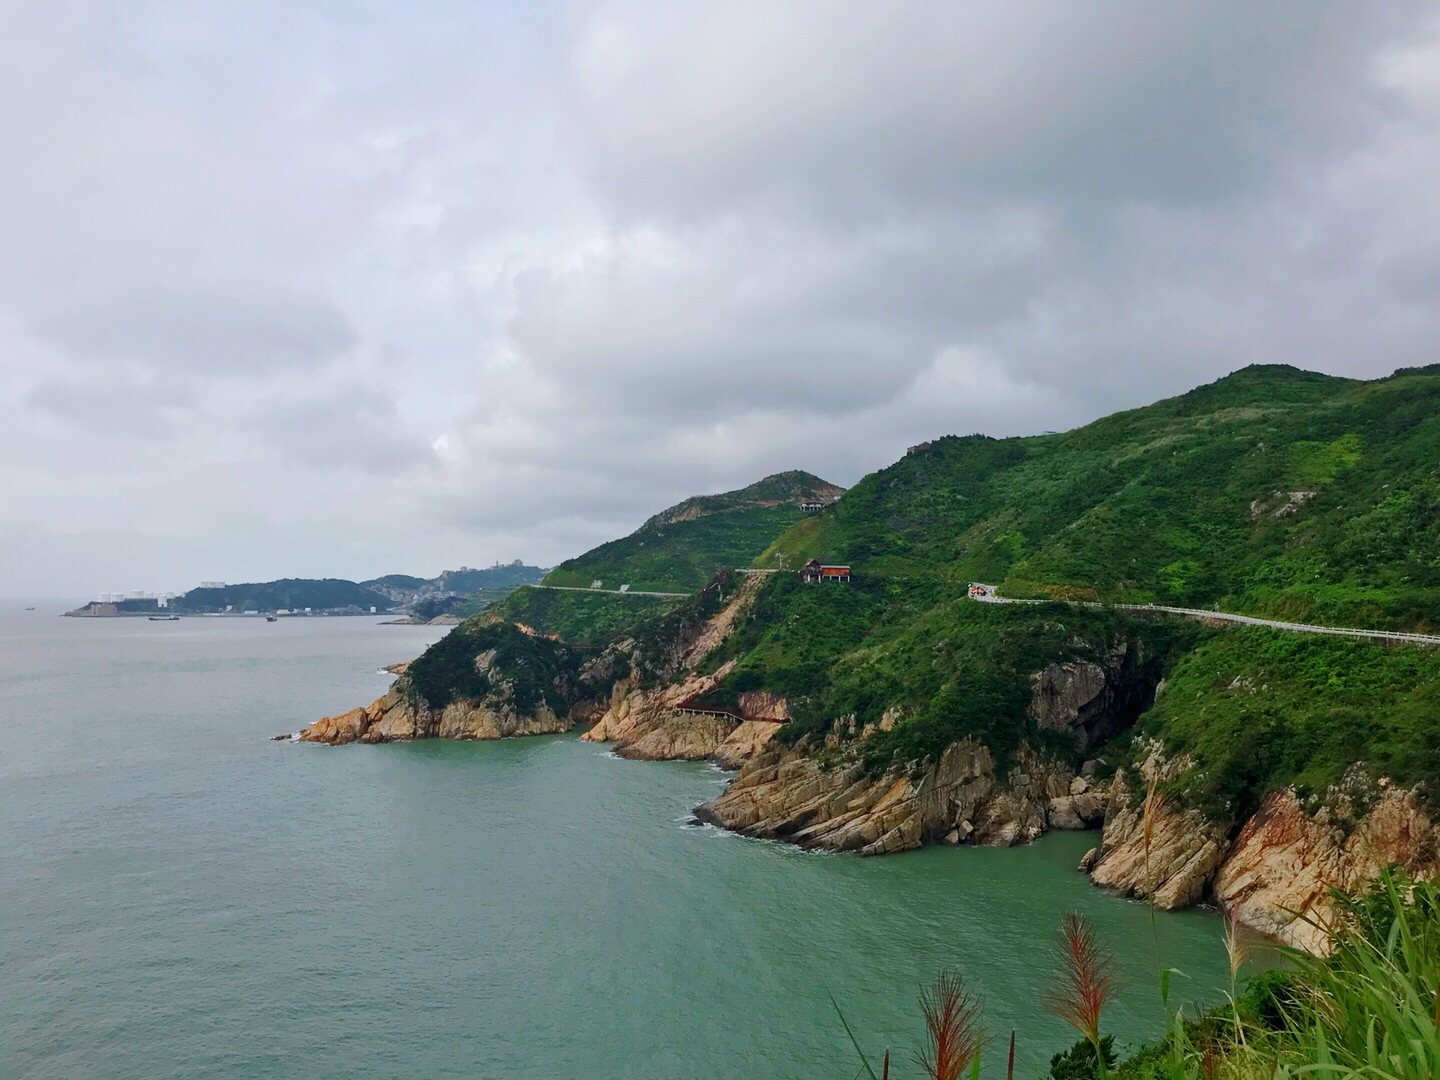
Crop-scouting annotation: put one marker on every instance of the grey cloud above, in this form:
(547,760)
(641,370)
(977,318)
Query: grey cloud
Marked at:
(604,255)
(850,108)
(228,332)
(111,406)
(355,427)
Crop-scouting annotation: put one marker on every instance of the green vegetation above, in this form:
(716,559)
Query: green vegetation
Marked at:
(946,666)
(586,617)
(680,549)
(536,670)
(396,581)
(489,579)
(1258,710)
(1273,491)
(327,594)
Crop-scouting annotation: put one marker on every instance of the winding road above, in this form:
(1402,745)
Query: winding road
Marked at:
(1247,620)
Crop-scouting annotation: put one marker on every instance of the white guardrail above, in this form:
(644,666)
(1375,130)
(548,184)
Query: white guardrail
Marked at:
(1248,620)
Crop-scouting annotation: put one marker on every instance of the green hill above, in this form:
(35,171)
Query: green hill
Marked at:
(679,549)
(320,595)
(1273,491)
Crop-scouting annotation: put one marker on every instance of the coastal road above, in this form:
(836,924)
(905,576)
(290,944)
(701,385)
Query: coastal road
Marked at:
(614,592)
(1246,620)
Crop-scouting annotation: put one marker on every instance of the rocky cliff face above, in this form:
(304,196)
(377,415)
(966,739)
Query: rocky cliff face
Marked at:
(789,794)
(1282,866)
(392,718)
(1092,702)
(396,717)
(818,796)
(1276,875)
(646,722)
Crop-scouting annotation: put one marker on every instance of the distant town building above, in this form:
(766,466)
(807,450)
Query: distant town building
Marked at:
(596,583)
(814,572)
(809,506)
(981,592)
(917,447)
(518,562)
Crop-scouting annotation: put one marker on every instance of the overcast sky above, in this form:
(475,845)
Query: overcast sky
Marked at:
(343,288)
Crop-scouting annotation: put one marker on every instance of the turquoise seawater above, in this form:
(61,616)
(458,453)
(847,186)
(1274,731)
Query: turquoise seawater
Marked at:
(182,897)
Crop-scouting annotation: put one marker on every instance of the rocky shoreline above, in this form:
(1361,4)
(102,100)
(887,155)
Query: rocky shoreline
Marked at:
(1273,875)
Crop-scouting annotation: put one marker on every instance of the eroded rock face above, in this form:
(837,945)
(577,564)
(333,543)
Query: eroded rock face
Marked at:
(745,742)
(1277,875)
(1170,859)
(785,794)
(392,717)
(1284,862)
(1092,702)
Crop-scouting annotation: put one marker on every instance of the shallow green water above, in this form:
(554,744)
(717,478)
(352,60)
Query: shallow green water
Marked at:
(179,896)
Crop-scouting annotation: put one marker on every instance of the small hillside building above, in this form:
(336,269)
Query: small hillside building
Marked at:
(810,506)
(813,573)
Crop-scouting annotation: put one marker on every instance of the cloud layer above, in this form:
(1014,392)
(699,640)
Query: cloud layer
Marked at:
(298,289)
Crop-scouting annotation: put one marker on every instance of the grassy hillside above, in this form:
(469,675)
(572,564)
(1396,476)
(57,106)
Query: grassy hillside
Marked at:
(1257,710)
(1272,491)
(679,549)
(582,617)
(1172,503)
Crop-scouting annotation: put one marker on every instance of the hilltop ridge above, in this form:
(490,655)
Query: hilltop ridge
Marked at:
(793,486)
(681,547)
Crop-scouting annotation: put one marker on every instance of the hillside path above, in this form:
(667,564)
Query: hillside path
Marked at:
(615,592)
(1247,620)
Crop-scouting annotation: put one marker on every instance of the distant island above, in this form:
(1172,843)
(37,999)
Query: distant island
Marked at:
(450,596)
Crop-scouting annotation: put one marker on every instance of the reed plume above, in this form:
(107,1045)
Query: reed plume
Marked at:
(1084,980)
(952,1022)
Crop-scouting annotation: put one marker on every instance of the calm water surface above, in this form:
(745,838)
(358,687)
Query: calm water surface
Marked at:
(180,896)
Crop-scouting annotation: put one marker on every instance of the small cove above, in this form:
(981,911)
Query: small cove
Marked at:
(184,897)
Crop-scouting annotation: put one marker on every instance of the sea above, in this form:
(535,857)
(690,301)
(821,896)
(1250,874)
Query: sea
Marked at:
(182,896)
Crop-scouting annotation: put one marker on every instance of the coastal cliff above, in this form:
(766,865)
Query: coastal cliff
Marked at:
(400,714)
(484,680)
(392,718)
(823,797)
(648,721)
(787,794)
(1276,875)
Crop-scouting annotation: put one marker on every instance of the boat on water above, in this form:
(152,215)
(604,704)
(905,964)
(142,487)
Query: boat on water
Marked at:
(270,618)
(164,618)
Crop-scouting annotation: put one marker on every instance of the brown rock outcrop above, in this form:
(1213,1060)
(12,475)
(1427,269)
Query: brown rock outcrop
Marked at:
(1285,862)
(337,730)
(747,740)
(1277,875)
(1171,858)
(392,717)
(1091,701)
(638,715)
(787,794)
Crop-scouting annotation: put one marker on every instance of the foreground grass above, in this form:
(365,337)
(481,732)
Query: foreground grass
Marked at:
(1368,1011)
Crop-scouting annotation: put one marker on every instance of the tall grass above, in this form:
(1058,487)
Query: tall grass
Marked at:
(1370,1010)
